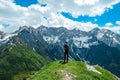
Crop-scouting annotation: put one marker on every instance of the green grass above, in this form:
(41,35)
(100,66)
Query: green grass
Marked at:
(57,71)
(23,75)
(19,58)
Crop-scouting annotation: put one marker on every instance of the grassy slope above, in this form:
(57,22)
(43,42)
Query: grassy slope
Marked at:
(19,58)
(57,71)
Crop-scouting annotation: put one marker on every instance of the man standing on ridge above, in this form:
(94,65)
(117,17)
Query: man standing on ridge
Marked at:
(66,51)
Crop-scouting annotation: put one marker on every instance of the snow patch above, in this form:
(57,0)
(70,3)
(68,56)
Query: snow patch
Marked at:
(116,41)
(93,43)
(100,35)
(7,37)
(44,29)
(91,68)
(86,45)
(51,39)
(81,41)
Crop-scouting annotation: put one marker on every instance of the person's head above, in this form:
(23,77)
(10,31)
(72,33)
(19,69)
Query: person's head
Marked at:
(66,42)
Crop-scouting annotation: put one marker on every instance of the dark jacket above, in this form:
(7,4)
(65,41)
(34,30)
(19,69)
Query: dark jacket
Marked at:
(66,48)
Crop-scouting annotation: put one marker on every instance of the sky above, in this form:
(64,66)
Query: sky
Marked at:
(79,14)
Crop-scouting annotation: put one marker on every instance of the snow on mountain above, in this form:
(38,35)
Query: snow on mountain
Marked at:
(51,39)
(2,34)
(108,37)
(116,41)
(84,41)
(94,43)
(7,37)
(81,41)
(100,35)
(79,38)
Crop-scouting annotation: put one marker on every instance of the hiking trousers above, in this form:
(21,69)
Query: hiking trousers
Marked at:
(66,56)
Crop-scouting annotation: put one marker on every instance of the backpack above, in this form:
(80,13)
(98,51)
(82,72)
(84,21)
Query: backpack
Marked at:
(66,47)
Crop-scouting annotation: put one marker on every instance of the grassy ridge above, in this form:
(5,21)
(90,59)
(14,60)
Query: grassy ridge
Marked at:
(19,58)
(74,69)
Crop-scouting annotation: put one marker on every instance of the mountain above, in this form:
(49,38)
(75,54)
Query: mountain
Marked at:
(16,58)
(5,37)
(2,37)
(2,34)
(73,70)
(107,36)
(98,46)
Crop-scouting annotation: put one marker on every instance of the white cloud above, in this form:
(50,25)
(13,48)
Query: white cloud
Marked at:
(16,16)
(115,29)
(35,15)
(81,7)
(112,27)
(108,24)
(1,27)
(118,22)
(86,2)
(58,20)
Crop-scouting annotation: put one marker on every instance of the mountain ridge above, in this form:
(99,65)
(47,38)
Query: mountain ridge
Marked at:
(73,70)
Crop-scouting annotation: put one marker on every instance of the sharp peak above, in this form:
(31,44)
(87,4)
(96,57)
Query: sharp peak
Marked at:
(96,28)
(25,28)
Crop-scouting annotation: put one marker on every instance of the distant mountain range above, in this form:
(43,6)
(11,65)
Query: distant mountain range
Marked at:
(98,46)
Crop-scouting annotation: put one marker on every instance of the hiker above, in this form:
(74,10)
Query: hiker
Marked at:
(66,51)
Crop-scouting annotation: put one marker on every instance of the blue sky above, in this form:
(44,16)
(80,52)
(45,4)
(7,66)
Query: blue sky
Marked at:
(89,13)
(112,15)
(25,3)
